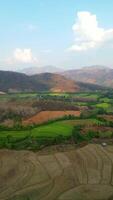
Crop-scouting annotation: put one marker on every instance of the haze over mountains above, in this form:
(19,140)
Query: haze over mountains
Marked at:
(99,75)
(39,70)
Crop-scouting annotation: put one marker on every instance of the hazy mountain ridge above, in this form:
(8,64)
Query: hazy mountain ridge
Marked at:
(15,82)
(19,82)
(99,75)
(38,70)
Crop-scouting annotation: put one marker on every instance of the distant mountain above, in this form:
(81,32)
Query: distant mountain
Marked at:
(19,82)
(99,75)
(56,83)
(39,70)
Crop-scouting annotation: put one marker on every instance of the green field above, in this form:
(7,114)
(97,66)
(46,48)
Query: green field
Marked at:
(53,129)
(19,137)
(44,94)
(50,130)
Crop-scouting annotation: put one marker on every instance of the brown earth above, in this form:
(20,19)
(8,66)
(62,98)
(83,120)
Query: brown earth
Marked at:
(61,84)
(107,117)
(57,82)
(44,116)
(82,174)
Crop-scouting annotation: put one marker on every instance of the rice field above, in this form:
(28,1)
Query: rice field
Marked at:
(50,130)
(53,129)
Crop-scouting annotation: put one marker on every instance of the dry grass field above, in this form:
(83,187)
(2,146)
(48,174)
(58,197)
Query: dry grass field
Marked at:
(80,174)
(44,116)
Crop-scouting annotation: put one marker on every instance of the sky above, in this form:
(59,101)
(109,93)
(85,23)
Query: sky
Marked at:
(63,33)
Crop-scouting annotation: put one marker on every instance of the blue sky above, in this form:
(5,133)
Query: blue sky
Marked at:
(39,32)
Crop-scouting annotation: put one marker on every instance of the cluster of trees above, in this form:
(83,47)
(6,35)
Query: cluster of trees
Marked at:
(14,114)
(33,143)
(92,113)
(54,105)
(78,135)
(64,98)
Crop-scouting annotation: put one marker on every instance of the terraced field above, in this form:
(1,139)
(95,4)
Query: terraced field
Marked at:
(83,174)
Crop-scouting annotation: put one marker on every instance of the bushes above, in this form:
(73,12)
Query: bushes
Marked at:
(79,137)
(76,134)
(37,142)
(10,111)
(92,113)
(33,143)
(54,105)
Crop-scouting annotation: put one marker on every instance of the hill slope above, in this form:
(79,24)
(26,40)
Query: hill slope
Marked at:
(18,82)
(95,74)
(56,83)
(15,82)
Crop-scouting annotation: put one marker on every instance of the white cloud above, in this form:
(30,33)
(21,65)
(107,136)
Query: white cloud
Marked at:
(24,56)
(88,34)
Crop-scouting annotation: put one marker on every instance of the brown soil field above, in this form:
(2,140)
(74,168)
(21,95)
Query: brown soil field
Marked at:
(107,117)
(97,128)
(44,116)
(80,174)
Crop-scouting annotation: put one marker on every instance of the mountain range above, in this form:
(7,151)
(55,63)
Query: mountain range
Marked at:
(19,82)
(84,79)
(99,75)
(38,70)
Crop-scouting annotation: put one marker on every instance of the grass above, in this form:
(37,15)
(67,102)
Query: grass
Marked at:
(49,134)
(17,96)
(84,122)
(44,134)
(34,94)
(103,105)
(36,138)
(15,134)
(50,130)
(107,134)
(53,130)
(105,100)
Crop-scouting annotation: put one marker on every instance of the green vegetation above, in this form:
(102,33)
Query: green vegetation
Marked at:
(53,133)
(91,123)
(103,105)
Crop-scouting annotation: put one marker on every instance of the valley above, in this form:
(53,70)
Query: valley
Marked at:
(56,100)
(56,139)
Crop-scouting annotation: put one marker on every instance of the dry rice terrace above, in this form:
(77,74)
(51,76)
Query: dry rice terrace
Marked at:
(82,174)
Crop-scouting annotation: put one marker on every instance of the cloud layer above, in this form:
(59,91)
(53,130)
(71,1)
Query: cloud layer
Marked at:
(24,56)
(88,34)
